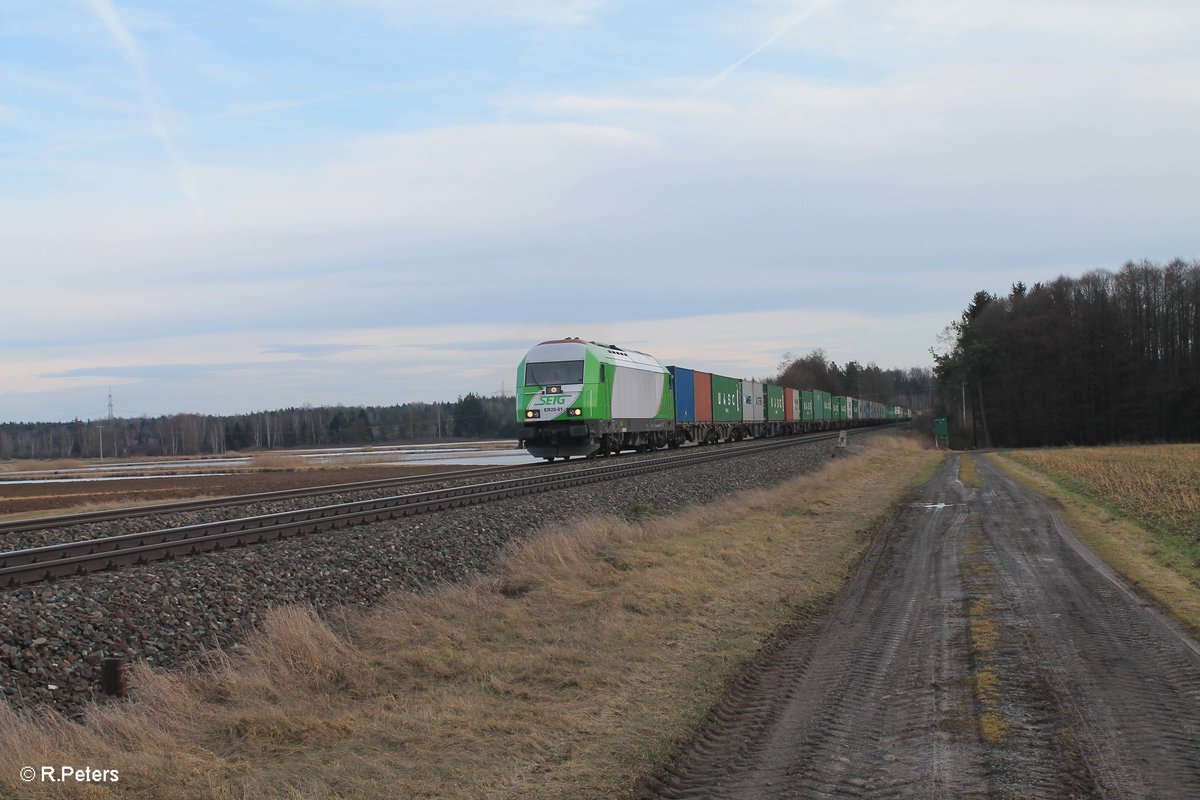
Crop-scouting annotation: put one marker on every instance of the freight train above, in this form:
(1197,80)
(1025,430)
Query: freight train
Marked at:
(577,398)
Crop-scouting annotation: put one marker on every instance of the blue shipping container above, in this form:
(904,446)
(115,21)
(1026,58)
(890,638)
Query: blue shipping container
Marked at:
(685,393)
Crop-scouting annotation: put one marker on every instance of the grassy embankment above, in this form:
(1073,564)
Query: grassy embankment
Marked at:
(1137,507)
(588,657)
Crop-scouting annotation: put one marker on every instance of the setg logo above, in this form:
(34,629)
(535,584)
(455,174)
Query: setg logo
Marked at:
(552,405)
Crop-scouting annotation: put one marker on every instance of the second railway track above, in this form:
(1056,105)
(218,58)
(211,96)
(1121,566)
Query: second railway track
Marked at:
(33,565)
(108,515)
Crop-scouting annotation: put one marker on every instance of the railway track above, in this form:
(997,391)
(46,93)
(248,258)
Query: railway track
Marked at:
(34,565)
(66,520)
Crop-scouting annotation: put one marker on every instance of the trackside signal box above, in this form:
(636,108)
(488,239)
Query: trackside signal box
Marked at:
(941,433)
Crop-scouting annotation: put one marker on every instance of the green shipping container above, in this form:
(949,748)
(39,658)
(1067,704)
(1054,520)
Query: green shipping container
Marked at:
(775,408)
(824,404)
(726,399)
(839,408)
(806,404)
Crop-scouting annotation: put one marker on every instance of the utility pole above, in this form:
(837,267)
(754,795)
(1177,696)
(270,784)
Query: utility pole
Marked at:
(101,427)
(110,424)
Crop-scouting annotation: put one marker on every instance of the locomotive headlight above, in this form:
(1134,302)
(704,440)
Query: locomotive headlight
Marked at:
(533,413)
(553,389)
(578,412)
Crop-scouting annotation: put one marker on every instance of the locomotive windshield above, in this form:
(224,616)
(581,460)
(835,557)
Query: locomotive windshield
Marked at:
(550,373)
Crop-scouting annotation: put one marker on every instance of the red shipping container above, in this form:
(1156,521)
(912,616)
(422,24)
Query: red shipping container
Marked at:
(789,404)
(703,396)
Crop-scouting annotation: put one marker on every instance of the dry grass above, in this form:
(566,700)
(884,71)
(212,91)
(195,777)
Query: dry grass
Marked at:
(583,663)
(983,634)
(276,461)
(967,472)
(37,465)
(1128,505)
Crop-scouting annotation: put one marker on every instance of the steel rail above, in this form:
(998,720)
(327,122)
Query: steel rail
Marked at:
(33,565)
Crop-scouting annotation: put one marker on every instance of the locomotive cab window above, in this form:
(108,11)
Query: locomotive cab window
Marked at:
(552,373)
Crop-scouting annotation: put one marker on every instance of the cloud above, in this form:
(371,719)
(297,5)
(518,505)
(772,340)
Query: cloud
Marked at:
(470,13)
(780,31)
(553,172)
(627,202)
(151,371)
(292,103)
(599,106)
(479,346)
(899,33)
(313,350)
(405,195)
(106,12)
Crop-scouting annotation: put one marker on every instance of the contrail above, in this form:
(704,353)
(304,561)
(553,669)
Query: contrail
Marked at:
(106,12)
(725,73)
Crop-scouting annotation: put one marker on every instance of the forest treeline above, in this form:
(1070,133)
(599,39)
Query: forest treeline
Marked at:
(471,416)
(912,388)
(1106,357)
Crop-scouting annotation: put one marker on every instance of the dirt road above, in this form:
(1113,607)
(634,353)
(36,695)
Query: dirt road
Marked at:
(979,651)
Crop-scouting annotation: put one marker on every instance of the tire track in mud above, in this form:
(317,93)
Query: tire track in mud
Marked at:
(1125,680)
(977,651)
(866,702)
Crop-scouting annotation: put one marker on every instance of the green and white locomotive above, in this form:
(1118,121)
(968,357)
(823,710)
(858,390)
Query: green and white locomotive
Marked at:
(578,398)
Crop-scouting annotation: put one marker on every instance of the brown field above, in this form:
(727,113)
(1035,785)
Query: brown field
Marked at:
(582,664)
(1158,485)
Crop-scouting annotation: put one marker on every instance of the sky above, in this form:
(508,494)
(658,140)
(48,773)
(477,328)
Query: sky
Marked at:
(225,206)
